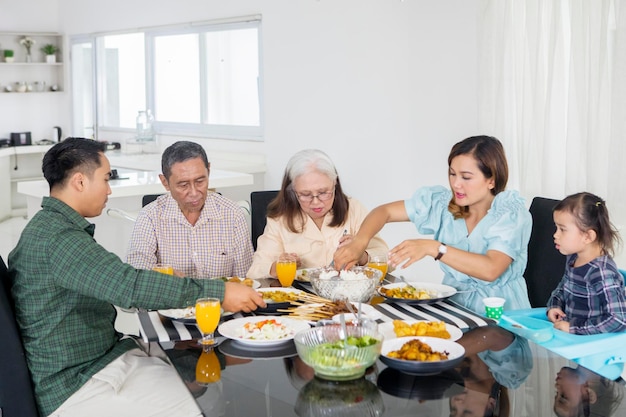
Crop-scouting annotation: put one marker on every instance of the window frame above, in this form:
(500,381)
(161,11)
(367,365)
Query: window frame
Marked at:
(202,129)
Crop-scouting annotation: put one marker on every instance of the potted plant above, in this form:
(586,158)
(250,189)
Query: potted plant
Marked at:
(50,50)
(8,55)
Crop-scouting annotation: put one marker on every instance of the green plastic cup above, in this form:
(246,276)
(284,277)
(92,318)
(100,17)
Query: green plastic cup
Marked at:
(494,307)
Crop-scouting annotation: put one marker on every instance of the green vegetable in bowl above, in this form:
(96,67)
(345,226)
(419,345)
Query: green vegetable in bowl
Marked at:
(363,341)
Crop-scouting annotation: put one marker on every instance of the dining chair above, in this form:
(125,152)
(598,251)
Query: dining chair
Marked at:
(17,398)
(258,212)
(149,198)
(545,265)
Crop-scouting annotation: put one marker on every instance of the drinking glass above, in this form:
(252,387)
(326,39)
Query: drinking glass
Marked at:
(379,262)
(208,368)
(207,317)
(286,271)
(164,269)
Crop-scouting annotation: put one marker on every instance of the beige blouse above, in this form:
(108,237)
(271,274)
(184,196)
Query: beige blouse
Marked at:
(315,247)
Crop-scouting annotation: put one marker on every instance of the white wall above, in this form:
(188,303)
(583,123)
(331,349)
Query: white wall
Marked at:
(384,87)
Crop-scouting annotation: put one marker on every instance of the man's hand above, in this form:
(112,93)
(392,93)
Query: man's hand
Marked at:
(239,297)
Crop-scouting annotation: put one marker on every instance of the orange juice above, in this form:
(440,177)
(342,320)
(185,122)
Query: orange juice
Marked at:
(381,266)
(208,368)
(164,269)
(286,272)
(208,317)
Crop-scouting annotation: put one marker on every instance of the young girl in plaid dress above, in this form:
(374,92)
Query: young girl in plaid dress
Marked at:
(590,297)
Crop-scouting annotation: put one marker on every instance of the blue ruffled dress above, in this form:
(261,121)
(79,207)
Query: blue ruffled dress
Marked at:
(505,228)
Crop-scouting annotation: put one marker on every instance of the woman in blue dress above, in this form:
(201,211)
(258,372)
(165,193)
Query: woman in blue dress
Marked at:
(480,230)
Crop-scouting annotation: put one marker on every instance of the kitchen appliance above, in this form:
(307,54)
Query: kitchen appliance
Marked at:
(56,134)
(21,139)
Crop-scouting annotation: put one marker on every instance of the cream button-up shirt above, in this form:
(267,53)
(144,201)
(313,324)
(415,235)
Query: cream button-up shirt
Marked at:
(315,247)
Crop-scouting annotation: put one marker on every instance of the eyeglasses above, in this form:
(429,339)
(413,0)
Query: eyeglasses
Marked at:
(308,198)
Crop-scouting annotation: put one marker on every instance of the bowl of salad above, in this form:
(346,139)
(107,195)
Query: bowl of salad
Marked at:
(338,357)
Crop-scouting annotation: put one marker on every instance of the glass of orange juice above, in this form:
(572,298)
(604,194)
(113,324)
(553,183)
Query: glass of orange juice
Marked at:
(164,269)
(208,312)
(379,262)
(286,271)
(208,368)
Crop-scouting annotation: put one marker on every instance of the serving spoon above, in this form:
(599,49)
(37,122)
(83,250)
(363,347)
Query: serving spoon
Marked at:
(407,282)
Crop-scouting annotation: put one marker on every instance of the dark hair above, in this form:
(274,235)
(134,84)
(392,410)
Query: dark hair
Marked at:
(590,213)
(179,152)
(72,155)
(286,202)
(491,159)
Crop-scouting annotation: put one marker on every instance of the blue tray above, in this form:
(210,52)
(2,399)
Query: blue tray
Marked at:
(604,353)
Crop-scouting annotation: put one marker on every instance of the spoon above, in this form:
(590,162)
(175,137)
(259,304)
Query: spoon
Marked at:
(344,330)
(407,282)
(344,333)
(332,263)
(350,307)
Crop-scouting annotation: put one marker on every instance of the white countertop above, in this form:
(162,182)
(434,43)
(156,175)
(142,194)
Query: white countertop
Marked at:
(139,183)
(22,150)
(240,162)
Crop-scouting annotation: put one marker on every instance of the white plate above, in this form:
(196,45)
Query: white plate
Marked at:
(255,283)
(301,274)
(387,330)
(439,292)
(237,350)
(232,329)
(186,314)
(455,351)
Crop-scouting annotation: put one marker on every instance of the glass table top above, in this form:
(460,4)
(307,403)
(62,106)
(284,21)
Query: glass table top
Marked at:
(526,381)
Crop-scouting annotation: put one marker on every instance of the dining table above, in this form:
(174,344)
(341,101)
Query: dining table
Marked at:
(524,379)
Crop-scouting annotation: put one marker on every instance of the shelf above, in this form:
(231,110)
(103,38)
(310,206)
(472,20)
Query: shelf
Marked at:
(30,93)
(28,64)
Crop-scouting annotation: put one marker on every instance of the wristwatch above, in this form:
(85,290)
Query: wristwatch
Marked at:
(443,249)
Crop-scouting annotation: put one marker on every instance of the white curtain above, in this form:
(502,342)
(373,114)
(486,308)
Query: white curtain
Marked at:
(553,89)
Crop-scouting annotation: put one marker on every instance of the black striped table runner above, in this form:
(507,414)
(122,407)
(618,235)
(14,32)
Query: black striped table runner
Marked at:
(154,327)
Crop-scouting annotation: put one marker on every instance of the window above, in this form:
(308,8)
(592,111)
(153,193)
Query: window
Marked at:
(198,79)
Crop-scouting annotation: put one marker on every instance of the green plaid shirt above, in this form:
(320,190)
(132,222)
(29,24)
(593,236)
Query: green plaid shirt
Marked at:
(65,285)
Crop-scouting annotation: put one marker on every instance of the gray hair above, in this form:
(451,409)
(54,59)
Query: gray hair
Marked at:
(179,152)
(309,160)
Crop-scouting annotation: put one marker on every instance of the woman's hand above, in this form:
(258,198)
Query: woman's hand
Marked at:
(349,253)
(411,251)
(346,240)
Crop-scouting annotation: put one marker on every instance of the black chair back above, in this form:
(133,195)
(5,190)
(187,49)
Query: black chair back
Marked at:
(149,198)
(16,391)
(258,212)
(545,265)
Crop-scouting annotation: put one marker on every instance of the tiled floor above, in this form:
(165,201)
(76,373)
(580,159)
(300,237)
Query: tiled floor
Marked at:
(10,231)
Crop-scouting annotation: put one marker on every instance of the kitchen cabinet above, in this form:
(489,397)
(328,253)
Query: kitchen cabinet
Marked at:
(19,163)
(36,76)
